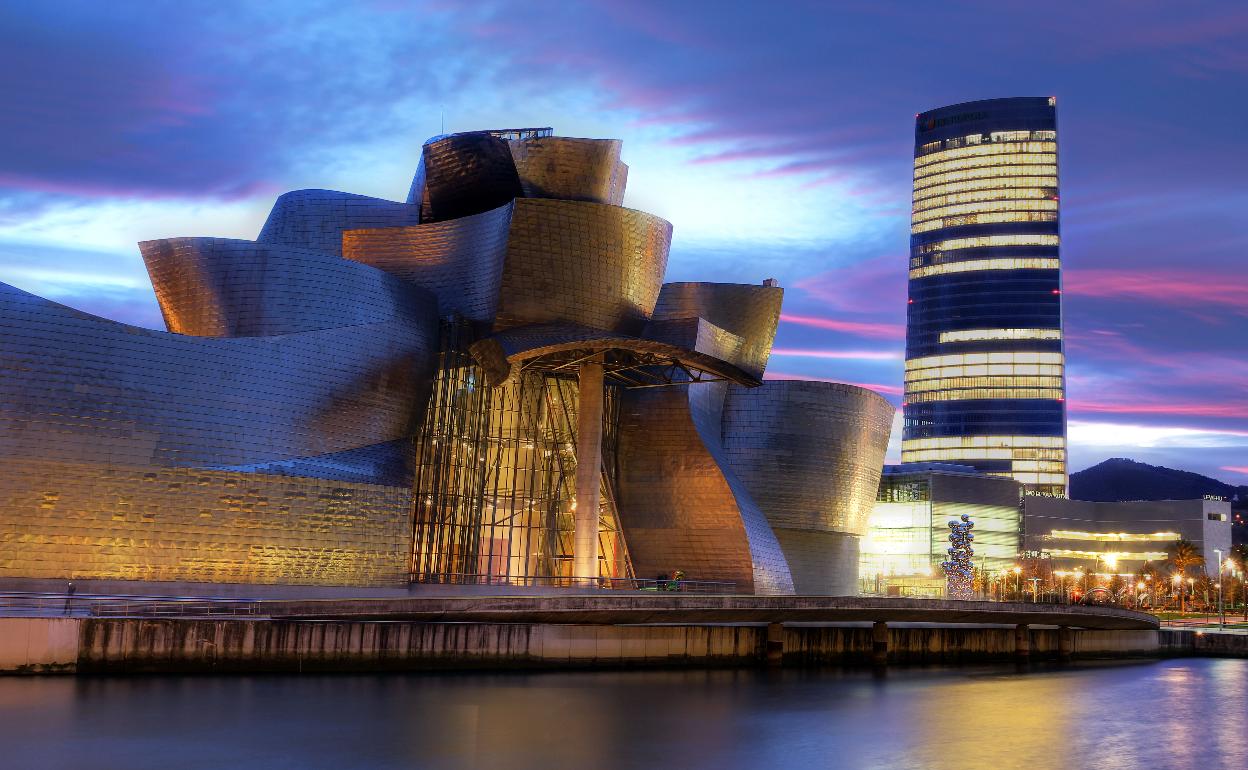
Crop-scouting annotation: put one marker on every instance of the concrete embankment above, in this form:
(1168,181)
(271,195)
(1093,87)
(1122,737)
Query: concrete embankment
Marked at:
(1185,643)
(168,645)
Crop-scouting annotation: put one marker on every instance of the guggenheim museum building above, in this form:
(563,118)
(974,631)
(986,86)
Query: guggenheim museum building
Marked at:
(488,382)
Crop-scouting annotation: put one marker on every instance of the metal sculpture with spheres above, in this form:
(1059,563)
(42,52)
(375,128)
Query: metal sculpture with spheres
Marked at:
(959,567)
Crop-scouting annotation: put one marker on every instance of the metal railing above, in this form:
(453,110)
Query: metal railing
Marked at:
(613,584)
(19,603)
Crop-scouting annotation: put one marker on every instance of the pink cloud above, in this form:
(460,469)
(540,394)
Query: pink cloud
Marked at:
(861,328)
(861,287)
(1187,410)
(1167,287)
(864,355)
(1243,469)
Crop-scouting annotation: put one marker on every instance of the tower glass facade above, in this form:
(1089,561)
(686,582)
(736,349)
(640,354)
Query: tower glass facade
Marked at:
(985,382)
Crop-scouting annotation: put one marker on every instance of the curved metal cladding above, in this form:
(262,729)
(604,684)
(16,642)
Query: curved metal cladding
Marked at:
(583,263)
(985,369)
(467,174)
(460,261)
(79,388)
(115,443)
(315,219)
(748,311)
(681,507)
(220,287)
(570,169)
(811,454)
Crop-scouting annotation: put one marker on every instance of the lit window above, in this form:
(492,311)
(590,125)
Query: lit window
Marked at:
(1000,263)
(990,241)
(968,335)
(978,207)
(985,151)
(1017,163)
(988,193)
(968,359)
(985,219)
(997,183)
(987,172)
(1010,136)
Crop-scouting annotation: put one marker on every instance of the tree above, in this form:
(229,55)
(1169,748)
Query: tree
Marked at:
(1184,555)
(1239,556)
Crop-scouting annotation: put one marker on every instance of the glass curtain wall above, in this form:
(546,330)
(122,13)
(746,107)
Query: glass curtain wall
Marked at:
(985,367)
(495,487)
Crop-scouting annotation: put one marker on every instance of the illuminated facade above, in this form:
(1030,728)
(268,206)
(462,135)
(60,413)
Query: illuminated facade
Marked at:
(488,382)
(908,532)
(1119,537)
(985,368)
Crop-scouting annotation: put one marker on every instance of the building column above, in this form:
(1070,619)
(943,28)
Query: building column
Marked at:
(588,469)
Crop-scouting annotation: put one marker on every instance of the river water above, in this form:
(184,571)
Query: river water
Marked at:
(1190,713)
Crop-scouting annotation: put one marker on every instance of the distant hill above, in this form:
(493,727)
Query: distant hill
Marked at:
(1121,479)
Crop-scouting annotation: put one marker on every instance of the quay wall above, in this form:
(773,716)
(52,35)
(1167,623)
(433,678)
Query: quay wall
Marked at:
(176,645)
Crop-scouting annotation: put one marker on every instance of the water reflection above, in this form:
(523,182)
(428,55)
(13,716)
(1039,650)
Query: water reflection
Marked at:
(1173,714)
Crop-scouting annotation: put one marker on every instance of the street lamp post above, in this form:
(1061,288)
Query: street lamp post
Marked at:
(1221,612)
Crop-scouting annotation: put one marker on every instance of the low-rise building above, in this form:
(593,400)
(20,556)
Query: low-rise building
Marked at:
(1119,537)
(908,532)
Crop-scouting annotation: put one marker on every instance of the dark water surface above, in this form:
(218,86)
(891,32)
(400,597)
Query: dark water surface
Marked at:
(1189,713)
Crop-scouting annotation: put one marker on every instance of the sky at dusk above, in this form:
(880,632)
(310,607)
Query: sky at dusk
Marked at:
(776,137)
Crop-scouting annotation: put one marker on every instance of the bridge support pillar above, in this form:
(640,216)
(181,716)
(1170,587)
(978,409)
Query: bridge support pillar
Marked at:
(1065,642)
(775,644)
(879,643)
(1022,641)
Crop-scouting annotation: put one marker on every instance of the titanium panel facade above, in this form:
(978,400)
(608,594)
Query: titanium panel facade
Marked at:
(75,387)
(78,520)
(220,287)
(467,174)
(810,453)
(460,260)
(680,506)
(413,409)
(985,370)
(315,219)
(750,312)
(584,263)
(567,168)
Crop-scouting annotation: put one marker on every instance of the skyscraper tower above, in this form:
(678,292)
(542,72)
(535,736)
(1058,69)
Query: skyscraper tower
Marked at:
(985,373)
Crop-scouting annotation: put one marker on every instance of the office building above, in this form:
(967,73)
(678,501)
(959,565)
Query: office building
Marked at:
(985,369)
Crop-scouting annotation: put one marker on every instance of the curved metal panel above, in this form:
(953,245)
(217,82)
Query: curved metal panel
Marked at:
(811,454)
(315,219)
(75,387)
(114,521)
(467,174)
(584,263)
(748,311)
(461,261)
(681,507)
(570,169)
(220,287)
